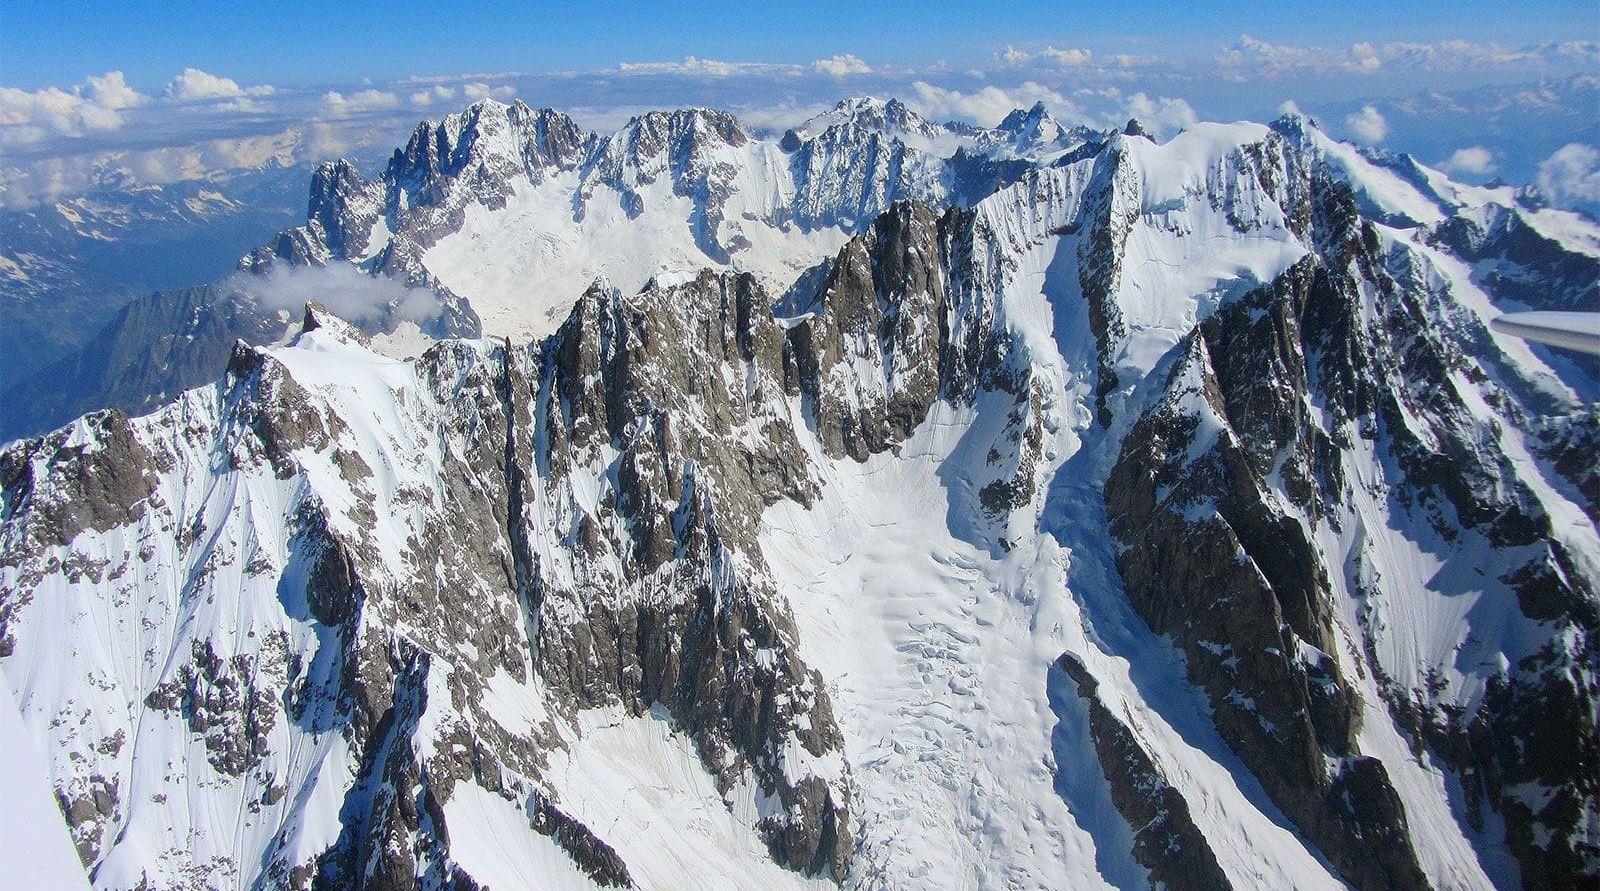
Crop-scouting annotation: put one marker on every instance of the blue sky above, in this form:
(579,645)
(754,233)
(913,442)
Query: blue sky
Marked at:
(92,91)
(300,43)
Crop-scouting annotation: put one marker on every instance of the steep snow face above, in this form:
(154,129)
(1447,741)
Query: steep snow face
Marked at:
(1170,516)
(1203,224)
(37,849)
(524,264)
(974,766)
(938,640)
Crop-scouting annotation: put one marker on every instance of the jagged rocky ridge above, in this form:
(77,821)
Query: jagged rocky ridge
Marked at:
(706,190)
(1233,390)
(502,214)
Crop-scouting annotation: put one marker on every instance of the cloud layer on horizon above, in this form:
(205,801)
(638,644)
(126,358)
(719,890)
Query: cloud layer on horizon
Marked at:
(201,125)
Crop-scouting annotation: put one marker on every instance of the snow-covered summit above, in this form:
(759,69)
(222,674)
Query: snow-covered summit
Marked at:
(1035,133)
(890,117)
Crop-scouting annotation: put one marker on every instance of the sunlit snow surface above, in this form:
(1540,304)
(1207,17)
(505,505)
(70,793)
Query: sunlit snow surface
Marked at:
(34,845)
(522,267)
(974,772)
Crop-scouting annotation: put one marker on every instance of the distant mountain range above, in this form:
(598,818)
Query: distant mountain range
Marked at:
(67,266)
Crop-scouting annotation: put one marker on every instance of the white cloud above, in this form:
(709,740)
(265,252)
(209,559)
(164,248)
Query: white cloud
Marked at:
(1367,125)
(437,93)
(841,66)
(1474,159)
(707,68)
(472,92)
(325,140)
(1159,116)
(773,118)
(1288,106)
(194,84)
(208,159)
(1583,50)
(94,105)
(460,78)
(1456,55)
(1107,106)
(215,160)
(51,178)
(341,288)
(1249,57)
(1571,176)
(477,91)
(1067,58)
(338,105)
(1364,58)
(985,106)
(110,91)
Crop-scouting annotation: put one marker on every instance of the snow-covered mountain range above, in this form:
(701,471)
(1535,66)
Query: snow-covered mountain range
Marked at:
(494,219)
(518,210)
(890,505)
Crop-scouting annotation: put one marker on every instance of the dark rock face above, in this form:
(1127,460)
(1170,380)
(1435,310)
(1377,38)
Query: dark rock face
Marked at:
(1165,841)
(221,701)
(88,814)
(681,147)
(105,486)
(389,838)
(470,158)
(1209,561)
(155,348)
(1210,558)
(342,207)
(92,489)
(867,360)
(1570,443)
(901,321)
(1519,263)
(1110,218)
(974,176)
(846,175)
(594,856)
(667,381)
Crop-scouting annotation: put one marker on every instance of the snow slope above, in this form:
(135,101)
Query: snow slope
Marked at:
(38,852)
